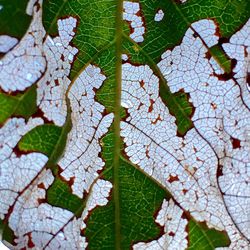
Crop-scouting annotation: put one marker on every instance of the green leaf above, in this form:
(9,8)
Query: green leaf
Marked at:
(124,124)
(20,105)
(201,237)
(59,194)
(42,139)
(11,11)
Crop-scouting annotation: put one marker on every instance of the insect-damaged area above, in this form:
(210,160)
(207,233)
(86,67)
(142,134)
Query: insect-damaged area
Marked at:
(116,135)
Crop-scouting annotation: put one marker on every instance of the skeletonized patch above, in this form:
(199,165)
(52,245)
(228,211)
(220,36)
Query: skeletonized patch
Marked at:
(159,15)
(37,56)
(206,30)
(185,166)
(81,161)
(133,16)
(16,172)
(221,112)
(33,221)
(124,57)
(220,116)
(51,91)
(30,6)
(7,43)
(25,64)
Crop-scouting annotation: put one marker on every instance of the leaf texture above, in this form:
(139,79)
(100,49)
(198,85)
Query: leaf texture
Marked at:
(125,124)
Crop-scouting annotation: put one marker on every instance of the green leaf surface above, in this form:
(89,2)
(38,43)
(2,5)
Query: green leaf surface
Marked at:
(59,194)
(201,237)
(42,139)
(20,105)
(14,20)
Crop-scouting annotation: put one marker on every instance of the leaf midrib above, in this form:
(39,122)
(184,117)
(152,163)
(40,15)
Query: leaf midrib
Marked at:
(117,120)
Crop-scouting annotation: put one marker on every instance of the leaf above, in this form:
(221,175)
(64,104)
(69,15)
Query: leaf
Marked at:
(124,124)
(42,138)
(10,12)
(213,239)
(19,105)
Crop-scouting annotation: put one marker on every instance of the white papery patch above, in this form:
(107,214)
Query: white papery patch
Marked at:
(124,57)
(7,43)
(221,114)
(25,64)
(150,134)
(175,235)
(30,6)
(159,15)
(206,29)
(132,15)
(52,87)
(69,237)
(80,160)
(186,166)
(35,221)
(16,173)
